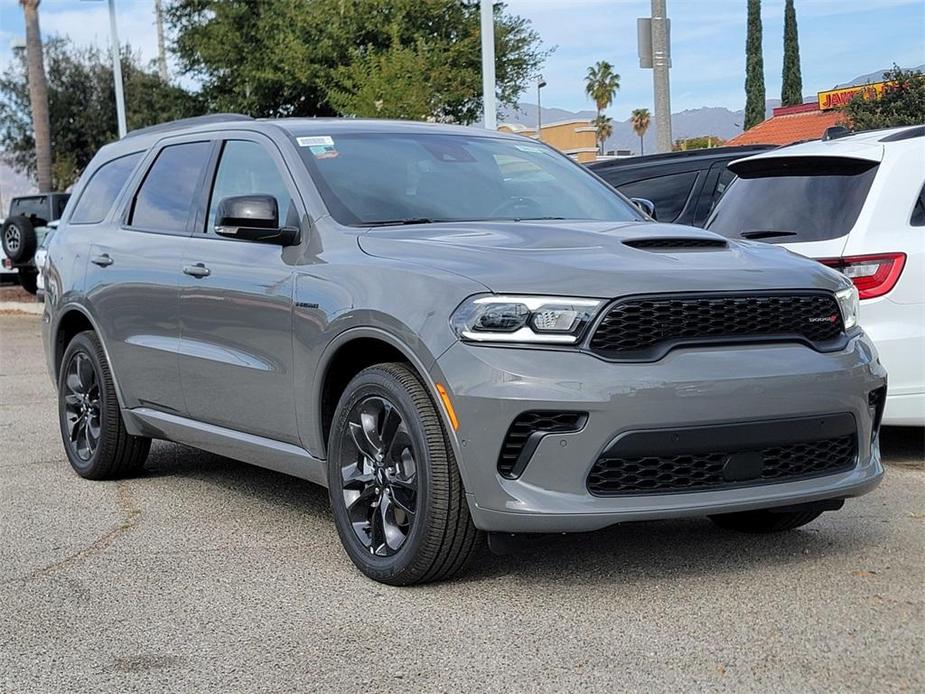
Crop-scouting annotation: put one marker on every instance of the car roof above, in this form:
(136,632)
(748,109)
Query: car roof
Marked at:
(868,145)
(690,155)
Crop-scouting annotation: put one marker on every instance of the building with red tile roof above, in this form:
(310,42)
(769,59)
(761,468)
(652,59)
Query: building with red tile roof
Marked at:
(789,124)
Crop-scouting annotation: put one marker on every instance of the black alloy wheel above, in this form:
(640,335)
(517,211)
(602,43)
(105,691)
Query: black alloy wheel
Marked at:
(82,406)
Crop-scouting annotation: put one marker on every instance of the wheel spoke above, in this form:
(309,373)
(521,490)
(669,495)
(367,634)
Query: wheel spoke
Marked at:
(391,421)
(359,503)
(402,505)
(394,537)
(377,533)
(361,438)
(85,374)
(73,381)
(355,478)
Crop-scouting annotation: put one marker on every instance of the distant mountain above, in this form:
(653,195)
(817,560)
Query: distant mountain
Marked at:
(871,77)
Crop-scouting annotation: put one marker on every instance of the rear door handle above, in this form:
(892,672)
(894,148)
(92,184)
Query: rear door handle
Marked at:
(197,270)
(102,260)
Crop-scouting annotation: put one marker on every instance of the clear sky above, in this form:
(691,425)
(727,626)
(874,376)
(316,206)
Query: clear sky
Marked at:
(839,40)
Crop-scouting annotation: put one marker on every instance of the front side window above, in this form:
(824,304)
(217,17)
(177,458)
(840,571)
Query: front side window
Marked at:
(669,193)
(246,168)
(103,188)
(786,200)
(167,196)
(370,178)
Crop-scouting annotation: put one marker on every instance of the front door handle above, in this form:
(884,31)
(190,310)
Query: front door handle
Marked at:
(102,260)
(197,270)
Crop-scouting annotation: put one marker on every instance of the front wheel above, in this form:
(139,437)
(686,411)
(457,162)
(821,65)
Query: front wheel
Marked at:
(398,501)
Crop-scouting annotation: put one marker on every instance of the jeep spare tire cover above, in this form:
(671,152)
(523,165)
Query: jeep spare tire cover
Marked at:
(19,239)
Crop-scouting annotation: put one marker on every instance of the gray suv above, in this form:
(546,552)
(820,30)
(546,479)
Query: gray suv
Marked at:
(459,333)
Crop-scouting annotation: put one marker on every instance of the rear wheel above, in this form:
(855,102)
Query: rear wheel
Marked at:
(97,444)
(765,521)
(398,501)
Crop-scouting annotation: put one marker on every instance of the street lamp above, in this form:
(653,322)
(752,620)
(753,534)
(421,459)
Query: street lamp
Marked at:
(19,46)
(539,108)
(116,67)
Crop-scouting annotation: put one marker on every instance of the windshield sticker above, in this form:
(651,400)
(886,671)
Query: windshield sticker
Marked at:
(315,141)
(323,152)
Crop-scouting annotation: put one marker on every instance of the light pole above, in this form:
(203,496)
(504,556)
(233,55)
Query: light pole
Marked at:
(661,62)
(539,108)
(487,29)
(116,68)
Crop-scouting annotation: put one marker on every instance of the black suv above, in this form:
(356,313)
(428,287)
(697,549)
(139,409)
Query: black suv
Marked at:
(23,231)
(683,186)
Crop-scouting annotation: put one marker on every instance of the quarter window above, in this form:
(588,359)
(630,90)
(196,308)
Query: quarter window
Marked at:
(246,168)
(918,212)
(166,197)
(103,188)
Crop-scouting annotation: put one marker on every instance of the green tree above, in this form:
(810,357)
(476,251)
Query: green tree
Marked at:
(640,120)
(601,84)
(902,102)
(791,92)
(699,142)
(82,109)
(754,68)
(603,128)
(397,58)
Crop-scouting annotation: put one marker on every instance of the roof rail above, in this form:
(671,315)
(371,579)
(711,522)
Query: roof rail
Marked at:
(908,133)
(188,122)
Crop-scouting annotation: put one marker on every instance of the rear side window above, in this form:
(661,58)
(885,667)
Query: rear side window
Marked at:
(787,200)
(104,187)
(918,212)
(166,197)
(669,193)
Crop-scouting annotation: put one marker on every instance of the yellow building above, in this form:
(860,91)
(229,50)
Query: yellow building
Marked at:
(575,137)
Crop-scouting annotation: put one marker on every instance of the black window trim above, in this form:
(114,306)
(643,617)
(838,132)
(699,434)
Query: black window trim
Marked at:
(153,154)
(115,203)
(918,200)
(200,222)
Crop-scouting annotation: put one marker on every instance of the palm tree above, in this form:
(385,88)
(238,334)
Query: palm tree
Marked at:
(601,84)
(640,121)
(603,127)
(38,94)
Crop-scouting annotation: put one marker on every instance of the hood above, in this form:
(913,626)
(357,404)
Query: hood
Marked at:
(597,259)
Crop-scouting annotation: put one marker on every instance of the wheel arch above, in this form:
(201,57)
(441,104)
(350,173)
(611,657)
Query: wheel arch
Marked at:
(74,319)
(349,353)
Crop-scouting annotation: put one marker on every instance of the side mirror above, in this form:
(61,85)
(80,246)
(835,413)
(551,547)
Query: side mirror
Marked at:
(646,206)
(253,218)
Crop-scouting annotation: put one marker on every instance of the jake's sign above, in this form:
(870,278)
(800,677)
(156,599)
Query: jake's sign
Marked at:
(836,98)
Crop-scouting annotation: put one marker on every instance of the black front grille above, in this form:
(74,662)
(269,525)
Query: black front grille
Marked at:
(525,433)
(645,328)
(714,470)
(670,243)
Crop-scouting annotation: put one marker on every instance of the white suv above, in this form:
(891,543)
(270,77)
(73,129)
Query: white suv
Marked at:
(856,203)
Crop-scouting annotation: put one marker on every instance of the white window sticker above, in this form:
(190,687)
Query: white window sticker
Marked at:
(315,141)
(532,148)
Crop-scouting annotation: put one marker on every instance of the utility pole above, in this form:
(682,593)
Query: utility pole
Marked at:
(661,62)
(487,24)
(539,107)
(117,69)
(161,53)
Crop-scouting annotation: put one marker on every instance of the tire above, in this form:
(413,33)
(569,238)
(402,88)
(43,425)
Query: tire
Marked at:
(402,466)
(19,239)
(113,453)
(28,280)
(765,521)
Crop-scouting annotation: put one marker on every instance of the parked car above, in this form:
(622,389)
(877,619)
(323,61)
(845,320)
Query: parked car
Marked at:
(683,187)
(39,260)
(857,204)
(24,229)
(456,331)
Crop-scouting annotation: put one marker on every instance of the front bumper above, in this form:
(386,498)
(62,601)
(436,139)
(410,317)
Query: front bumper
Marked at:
(490,386)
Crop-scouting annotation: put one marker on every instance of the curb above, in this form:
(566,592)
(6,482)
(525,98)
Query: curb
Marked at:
(21,307)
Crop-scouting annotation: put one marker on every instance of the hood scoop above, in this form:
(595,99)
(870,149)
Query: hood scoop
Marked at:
(675,243)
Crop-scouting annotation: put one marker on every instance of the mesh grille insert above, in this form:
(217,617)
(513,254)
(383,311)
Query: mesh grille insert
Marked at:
(707,471)
(675,242)
(647,327)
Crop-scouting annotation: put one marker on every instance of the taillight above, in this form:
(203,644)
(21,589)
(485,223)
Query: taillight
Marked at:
(873,275)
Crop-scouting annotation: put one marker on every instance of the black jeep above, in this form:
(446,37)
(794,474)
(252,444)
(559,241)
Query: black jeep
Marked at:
(23,230)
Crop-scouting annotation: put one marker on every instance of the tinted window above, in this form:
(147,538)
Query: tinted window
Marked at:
(366,178)
(103,188)
(722,183)
(246,168)
(918,212)
(669,193)
(810,199)
(164,201)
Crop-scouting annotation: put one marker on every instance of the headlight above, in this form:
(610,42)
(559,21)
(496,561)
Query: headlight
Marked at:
(849,306)
(539,319)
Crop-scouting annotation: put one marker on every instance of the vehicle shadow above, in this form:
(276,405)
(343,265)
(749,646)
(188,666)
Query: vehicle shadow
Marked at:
(903,445)
(626,553)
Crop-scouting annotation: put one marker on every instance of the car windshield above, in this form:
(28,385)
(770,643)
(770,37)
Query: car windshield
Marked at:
(787,200)
(399,178)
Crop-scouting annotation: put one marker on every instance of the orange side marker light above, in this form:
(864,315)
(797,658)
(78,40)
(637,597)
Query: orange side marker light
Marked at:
(448,406)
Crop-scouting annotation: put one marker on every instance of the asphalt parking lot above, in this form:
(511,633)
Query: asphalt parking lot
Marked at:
(205,575)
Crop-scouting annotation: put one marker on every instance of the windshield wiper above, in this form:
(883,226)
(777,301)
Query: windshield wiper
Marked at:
(766,234)
(399,222)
